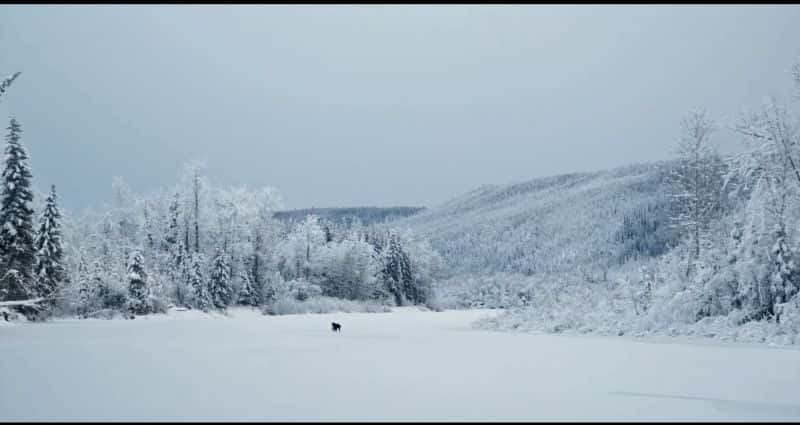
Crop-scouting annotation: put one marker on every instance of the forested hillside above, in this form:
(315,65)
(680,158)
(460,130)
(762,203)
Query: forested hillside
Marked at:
(554,224)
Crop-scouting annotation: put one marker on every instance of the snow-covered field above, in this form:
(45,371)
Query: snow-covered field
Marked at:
(405,365)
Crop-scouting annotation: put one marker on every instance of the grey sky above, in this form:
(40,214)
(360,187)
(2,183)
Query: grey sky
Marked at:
(375,105)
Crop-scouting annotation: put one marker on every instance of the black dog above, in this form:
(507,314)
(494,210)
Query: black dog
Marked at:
(336,327)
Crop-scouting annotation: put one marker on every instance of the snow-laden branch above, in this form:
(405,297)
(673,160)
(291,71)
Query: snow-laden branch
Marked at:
(31,303)
(7,83)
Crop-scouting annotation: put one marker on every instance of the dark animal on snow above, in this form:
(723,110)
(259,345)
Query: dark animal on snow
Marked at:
(336,327)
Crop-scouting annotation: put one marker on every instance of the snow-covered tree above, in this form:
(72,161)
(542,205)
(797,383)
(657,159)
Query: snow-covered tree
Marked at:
(138,292)
(17,252)
(696,182)
(85,290)
(178,259)
(50,272)
(785,278)
(768,169)
(397,273)
(347,269)
(296,253)
(248,295)
(220,289)
(172,235)
(201,296)
(149,228)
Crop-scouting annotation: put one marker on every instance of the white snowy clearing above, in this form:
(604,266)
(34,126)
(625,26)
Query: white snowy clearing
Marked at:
(405,365)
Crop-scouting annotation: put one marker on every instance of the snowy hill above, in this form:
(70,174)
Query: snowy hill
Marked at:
(552,224)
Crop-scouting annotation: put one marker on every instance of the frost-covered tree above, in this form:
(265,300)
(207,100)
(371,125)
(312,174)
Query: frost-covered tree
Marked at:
(122,217)
(248,295)
(149,228)
(768,169)
(348,269)
(696,182)
(17,252)
(172,235)
(138,293)
(297,252)
(785,278)
(220,289)
(201,296)
(181,273)
(86,290)
(397,273)
(178,264)
(196,185)
(50,272)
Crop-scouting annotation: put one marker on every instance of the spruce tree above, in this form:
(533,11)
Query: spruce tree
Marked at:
(137,285)
(86,292)
(50,272)
(394,269)
(786,275)
(173,228)
(220,282)
(17,254)
(248,294)
(198,284)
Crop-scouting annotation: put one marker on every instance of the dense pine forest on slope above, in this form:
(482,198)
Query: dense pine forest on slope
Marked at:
(554,224)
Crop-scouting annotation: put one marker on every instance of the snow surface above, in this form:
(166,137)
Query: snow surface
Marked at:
(406,365)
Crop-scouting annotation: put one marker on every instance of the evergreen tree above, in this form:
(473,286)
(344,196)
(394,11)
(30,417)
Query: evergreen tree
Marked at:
(181,272)
(197,282)
(196,193)
(397,274)
(148,228)
(248,295)
(84,289)
(137,285)
(98,286)
(92,291)
(786,276)
(50,272)
(174,245)
(173,227)
(220,282)
(17,253)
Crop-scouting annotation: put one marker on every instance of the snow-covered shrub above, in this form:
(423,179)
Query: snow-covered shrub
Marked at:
(484,291)
(158,305)
(301,289)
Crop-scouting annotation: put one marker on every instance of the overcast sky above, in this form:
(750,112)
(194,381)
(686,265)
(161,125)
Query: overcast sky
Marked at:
(375,105)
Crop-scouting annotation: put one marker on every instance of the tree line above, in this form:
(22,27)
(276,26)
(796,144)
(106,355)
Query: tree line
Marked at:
(193,245)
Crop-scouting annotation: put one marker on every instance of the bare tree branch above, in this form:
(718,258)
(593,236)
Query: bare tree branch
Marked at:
(7,83)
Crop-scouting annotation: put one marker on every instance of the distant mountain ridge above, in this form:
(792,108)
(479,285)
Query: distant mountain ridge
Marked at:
(345,215)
